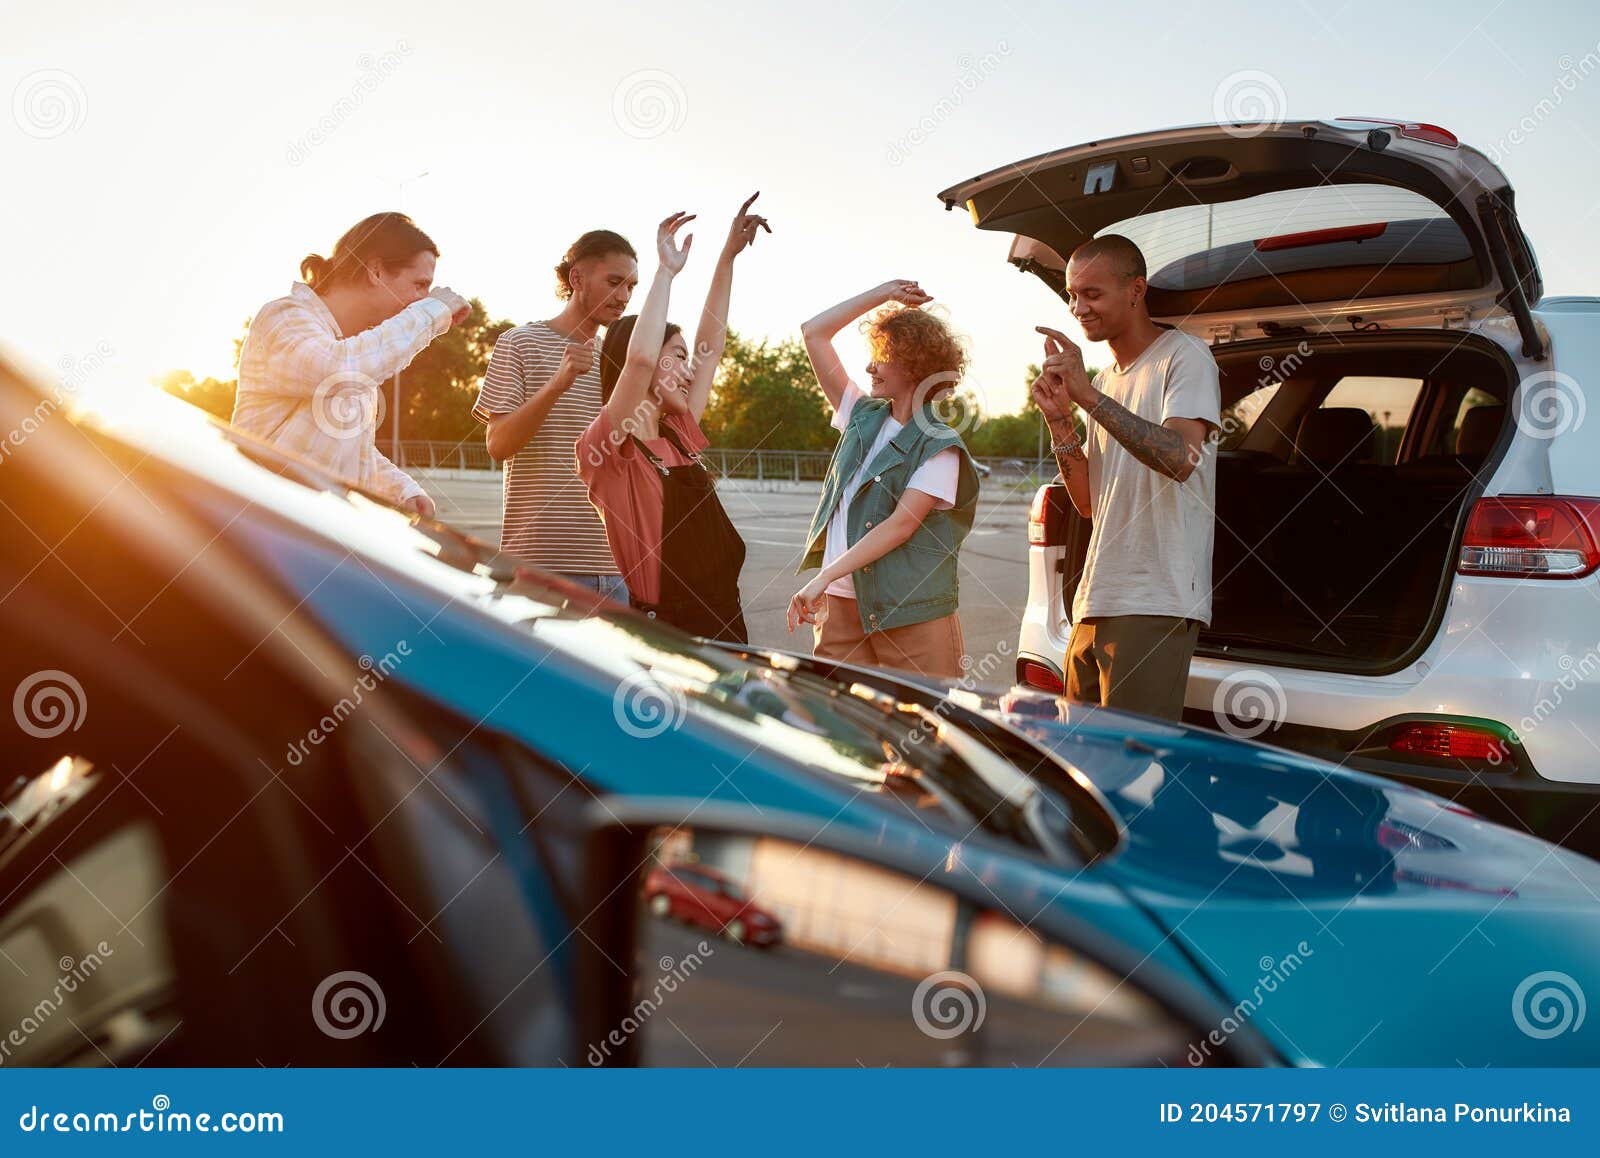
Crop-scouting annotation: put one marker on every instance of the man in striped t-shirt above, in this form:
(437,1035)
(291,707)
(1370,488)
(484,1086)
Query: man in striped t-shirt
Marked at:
(540,394)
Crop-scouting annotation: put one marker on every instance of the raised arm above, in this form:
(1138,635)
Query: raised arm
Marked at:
(305,358)
(644,345)
(712,334)
(819,331)
(1172,448)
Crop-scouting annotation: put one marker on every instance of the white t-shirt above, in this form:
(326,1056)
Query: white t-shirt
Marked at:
(1150,548)
(937,477)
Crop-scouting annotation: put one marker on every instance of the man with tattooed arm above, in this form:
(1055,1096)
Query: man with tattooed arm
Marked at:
(1145,472)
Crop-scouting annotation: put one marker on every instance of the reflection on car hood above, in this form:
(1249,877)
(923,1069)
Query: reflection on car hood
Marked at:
(1316,894)
(1210,814)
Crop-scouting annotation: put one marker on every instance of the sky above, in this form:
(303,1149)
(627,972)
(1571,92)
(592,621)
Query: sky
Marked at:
(162,174)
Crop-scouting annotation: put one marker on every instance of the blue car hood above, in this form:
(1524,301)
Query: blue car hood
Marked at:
(1354,920)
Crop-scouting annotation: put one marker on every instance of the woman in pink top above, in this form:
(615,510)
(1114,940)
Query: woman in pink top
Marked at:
(640,458)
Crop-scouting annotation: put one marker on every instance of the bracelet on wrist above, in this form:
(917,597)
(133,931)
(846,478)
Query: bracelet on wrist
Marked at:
(1065,443)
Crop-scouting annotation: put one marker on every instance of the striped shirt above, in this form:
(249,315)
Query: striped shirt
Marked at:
(309,390)
(548,519)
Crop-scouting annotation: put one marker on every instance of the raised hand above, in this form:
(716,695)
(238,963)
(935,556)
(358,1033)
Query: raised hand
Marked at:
(1063,359)
(1049,393)
(576,361)
(673,256)
(742,232)
(907,293)
(459,306)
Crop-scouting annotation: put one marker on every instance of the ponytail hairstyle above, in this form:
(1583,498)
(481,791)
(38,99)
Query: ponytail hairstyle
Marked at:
(614,351)
(389,240)
(595,243)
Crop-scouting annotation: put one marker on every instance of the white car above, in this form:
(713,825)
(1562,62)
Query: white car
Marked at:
(1406,522)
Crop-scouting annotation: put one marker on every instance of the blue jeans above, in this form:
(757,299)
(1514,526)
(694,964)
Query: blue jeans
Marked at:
(606,586)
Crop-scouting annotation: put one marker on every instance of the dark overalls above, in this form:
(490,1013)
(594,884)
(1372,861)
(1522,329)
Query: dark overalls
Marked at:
(701,552)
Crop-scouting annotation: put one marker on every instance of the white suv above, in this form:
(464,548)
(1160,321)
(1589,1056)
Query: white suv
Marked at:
(1406,530)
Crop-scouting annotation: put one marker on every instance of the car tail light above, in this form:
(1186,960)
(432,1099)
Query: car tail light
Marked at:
(1413,130)
(1449,741)
(1322,236)
(1038,517)
(1048,516)
(1041,676)
(1532,537)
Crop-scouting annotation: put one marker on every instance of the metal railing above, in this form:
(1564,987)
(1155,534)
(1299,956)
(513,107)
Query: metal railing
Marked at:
(725,462)
(471,454)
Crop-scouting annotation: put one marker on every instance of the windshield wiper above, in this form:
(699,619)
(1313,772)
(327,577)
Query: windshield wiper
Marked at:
(1055,805)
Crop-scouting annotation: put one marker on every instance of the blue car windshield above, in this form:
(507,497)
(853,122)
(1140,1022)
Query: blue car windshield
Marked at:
(889,754)
(895,754)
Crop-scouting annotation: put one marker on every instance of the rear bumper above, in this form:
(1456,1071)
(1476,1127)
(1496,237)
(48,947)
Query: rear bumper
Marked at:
(1514,794)
(1523,654)
(1045,629)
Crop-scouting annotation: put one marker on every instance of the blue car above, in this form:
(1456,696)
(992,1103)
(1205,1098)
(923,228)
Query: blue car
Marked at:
(297,779)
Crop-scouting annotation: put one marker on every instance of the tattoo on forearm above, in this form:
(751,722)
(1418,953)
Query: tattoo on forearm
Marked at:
(1070,462)
(1160,448)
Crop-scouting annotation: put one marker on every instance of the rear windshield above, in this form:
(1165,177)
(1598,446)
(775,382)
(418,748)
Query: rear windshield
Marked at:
(1276,234)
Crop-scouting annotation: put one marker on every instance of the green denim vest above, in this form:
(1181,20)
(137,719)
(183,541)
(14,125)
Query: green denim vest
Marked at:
(917,581)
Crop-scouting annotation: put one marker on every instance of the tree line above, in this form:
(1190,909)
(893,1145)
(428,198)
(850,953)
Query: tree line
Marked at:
(764,396)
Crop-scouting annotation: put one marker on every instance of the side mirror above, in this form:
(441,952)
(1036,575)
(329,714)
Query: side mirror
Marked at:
(726,946)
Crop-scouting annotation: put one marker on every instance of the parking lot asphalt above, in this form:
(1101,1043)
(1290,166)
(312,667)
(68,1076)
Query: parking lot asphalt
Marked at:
(994,560)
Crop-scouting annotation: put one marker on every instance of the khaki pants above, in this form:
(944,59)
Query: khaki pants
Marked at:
(1136,662)
(934,648)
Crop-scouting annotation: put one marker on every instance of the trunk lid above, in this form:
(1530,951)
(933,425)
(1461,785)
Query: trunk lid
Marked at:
(1315,224)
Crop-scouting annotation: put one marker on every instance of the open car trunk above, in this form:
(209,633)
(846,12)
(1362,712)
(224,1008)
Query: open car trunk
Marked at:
(1322,225)
(1339,520)
(1338,268)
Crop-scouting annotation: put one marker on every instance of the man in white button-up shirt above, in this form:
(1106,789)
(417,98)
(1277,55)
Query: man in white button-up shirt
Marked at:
(313,363)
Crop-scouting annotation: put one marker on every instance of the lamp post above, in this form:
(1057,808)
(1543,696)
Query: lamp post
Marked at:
(394,410)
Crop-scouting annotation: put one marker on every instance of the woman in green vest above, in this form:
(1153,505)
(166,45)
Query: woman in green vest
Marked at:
(899,494)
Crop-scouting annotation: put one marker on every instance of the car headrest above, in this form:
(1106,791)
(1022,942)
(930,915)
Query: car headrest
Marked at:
(1336,435)
(1480,426)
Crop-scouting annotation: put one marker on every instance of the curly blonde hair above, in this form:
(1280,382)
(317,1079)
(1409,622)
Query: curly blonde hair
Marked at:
(922,344)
